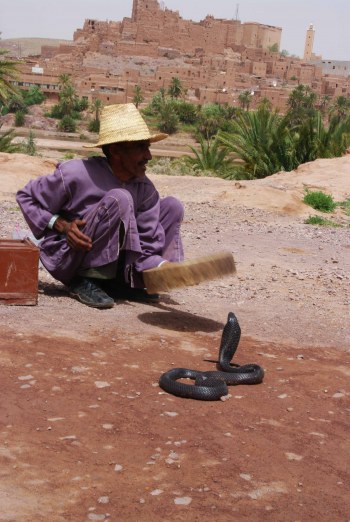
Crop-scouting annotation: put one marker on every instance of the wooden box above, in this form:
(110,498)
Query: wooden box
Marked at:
(19,266)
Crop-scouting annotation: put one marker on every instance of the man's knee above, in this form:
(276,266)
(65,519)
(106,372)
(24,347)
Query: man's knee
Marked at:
(173,207)
(120,201)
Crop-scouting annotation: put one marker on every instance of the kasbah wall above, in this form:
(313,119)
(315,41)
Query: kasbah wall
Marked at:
(215,60)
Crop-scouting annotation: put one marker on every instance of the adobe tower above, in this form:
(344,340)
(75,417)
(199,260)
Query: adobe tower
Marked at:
(309,43)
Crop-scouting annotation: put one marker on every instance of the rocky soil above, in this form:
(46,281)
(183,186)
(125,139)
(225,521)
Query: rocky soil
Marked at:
(87,434)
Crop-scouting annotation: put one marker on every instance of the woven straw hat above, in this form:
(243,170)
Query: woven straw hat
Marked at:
(123,122)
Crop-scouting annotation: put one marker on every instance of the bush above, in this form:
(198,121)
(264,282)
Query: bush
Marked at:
(318,220)
(345,206)
(19,119)
(320,201)
(94,126)
(67,124)
(30,146)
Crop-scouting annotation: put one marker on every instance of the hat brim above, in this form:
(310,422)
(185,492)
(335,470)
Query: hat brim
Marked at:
(152,138)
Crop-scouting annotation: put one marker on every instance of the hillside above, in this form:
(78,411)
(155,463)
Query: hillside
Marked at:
(23,47)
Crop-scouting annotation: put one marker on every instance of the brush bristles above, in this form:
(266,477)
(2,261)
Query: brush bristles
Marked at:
(188,273)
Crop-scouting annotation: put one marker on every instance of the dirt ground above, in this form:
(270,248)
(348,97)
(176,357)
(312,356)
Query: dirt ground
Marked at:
(87,434)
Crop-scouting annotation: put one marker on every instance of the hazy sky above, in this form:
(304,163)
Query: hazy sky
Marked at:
(60,18)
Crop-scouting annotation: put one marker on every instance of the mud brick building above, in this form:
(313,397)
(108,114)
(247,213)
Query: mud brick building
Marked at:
(215,59)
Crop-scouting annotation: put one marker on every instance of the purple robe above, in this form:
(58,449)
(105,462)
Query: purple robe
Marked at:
(87,189)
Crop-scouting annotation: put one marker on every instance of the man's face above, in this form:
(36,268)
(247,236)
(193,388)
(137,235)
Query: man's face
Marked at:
(129,159)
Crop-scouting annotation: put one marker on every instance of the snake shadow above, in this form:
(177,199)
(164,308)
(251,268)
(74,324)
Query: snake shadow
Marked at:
(170,319)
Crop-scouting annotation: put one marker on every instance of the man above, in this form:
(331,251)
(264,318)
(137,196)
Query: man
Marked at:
(101,220)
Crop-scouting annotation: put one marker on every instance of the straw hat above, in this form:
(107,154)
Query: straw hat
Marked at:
(123,122)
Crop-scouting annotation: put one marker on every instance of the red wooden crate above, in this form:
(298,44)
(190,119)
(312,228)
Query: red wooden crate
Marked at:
(19,265)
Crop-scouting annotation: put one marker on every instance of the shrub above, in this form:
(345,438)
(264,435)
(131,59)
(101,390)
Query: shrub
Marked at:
(67,124)
(30,146)
(320,201)
(345,205)
(94,126)
(318,220)
(19,118)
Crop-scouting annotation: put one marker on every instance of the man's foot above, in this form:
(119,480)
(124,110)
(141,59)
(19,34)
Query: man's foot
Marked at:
(89,293)
(135,294)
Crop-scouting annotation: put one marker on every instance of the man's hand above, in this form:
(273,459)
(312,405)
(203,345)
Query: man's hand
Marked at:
(75,238)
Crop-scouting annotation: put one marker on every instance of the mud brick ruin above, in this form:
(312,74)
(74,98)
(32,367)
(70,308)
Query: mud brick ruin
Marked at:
(215,59)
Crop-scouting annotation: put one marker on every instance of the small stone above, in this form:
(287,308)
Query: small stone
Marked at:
(118,467)
(338,395)
(103,500)
(156,492)
(293,456)
(182,501)
(101,384)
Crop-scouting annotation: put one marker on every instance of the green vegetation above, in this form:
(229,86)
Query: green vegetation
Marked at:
(320,201)
(6,142)
(30,146)
(19,118)
(138,96)
(318,220)
(8,74)
(211,159)
(345,206)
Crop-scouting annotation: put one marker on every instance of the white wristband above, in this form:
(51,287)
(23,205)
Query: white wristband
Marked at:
(52,221)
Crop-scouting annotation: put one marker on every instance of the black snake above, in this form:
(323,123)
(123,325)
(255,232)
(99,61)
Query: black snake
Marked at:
(212,385)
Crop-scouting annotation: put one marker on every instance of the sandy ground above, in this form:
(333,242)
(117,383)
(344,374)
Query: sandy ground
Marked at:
(87,434)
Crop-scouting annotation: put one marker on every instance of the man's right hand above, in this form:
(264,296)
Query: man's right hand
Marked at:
(76,239)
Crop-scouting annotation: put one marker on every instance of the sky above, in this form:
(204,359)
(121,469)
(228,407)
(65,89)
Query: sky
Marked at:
(60,18)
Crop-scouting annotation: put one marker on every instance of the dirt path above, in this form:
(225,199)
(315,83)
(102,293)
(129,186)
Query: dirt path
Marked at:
(87,434)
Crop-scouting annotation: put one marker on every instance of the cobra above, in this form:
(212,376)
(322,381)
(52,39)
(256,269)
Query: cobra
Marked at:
(212,385)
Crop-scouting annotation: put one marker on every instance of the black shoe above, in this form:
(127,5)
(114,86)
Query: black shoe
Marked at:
(89,293)
(135,294)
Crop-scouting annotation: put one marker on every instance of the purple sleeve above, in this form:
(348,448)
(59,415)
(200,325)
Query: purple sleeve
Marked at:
(151,232)
(40,199)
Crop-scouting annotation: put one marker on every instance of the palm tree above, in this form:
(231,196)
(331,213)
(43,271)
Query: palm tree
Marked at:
(138,97)
(6,142)
(8,74)
(340,108)
(176,88)
(245,99)
(260,143)
(168,120)
(301,104)
(210,157)
(96,107)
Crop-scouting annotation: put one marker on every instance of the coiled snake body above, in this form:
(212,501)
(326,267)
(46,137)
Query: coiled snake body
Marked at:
(212,385)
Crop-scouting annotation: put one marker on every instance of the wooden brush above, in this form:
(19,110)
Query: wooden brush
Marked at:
(188,273)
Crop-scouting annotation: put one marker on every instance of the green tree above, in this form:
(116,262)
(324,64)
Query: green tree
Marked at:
(34,96)
(211,118)
(211,157)
(67,124)
(8,75)
(30,146)
(19,118)
(95,107)
(301,104)
(168,120)
(176,89)
(138,96)
(68,99)
(245,99)
(340,108)
(260,144)
(6,142)
(186,111)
